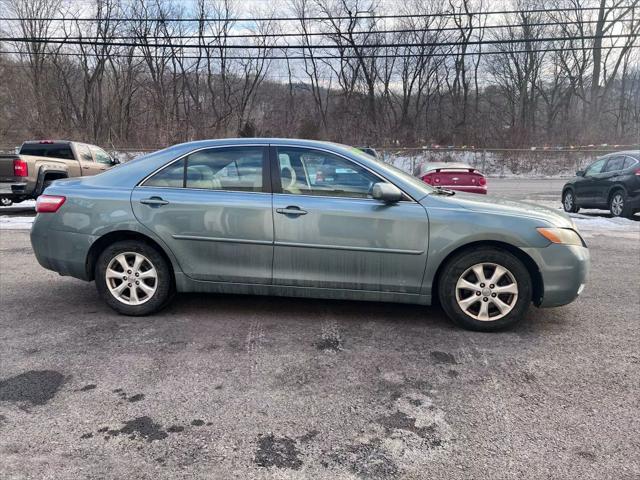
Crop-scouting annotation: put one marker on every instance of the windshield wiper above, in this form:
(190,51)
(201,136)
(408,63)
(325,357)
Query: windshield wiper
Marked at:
(444,191)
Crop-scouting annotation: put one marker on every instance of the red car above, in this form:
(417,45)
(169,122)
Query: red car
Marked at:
(454,176)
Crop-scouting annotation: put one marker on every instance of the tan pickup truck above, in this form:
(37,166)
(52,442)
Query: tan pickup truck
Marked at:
(25,175)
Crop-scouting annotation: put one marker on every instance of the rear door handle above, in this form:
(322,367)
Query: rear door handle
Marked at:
(154,201)
(291,210)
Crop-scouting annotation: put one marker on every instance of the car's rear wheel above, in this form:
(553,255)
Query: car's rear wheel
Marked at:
(487,289)
(618,205)
(133,278)
(569,202)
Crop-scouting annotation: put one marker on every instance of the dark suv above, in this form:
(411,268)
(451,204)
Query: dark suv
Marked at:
(611,182)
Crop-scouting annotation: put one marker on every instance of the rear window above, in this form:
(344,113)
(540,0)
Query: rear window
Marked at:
(51,150)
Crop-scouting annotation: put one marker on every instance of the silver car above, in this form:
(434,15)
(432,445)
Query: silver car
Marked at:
(308,219)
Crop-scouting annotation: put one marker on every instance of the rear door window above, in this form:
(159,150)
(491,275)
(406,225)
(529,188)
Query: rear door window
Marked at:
(614,164)
(235,168)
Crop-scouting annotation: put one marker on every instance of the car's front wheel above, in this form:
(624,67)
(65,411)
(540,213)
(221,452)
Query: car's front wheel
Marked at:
(487,289)
(569,202)
(133,278)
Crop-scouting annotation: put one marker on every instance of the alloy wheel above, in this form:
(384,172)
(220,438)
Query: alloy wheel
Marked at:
(486,291)
(617,204)
(131,278)
(568,201)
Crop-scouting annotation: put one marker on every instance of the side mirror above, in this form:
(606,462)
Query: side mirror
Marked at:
(580,173)
(115,161)
(386,192)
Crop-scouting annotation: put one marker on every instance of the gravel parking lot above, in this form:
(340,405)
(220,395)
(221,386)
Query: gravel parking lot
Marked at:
(276,388)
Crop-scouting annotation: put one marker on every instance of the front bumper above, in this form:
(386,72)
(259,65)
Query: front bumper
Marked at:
(564,270)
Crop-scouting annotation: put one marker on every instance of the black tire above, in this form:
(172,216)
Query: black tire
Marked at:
(569,201)
(619,199)
(460,264)
(164,290)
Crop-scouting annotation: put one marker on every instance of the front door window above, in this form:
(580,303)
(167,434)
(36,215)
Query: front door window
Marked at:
(318,173)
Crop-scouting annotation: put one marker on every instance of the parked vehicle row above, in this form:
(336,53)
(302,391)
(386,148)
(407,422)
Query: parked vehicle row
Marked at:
(27,174)
(303,218)
(612,182)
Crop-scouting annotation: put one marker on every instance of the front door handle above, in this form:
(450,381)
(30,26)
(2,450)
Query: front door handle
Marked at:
(154,201)
(291,210)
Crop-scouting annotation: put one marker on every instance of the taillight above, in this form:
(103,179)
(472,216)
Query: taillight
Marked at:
(637,172)
(49,203)
(482,181)
(436,180)
(20,168)
(427,179)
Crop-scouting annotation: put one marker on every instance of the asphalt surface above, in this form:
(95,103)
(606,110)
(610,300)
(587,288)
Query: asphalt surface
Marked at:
(275,388)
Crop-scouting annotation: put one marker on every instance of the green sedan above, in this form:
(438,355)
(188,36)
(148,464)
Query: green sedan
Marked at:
(306,219)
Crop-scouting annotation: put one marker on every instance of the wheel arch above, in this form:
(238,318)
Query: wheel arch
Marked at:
(116,236)
(613,189)
(531,266)
(45,174)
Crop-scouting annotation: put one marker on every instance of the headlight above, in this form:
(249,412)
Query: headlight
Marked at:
(565,236)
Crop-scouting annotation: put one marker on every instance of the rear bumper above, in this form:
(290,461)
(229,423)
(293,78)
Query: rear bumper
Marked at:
(62,252)
(15,189)
(564,270)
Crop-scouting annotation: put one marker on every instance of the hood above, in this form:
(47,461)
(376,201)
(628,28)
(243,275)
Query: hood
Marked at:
(503,206)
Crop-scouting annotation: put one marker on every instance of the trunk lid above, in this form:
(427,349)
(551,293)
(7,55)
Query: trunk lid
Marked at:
(455,177)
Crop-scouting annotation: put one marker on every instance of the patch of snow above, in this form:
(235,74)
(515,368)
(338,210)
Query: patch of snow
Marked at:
(24,204)
(598,222)
(16,223)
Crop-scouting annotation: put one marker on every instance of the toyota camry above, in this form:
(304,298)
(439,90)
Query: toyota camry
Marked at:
(307,219)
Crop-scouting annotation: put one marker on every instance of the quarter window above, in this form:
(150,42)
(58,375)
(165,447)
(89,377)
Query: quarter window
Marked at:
(629,162)
(314,172)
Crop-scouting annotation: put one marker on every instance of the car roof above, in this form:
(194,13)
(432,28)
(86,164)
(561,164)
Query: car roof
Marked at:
(631,153)
(45,142)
